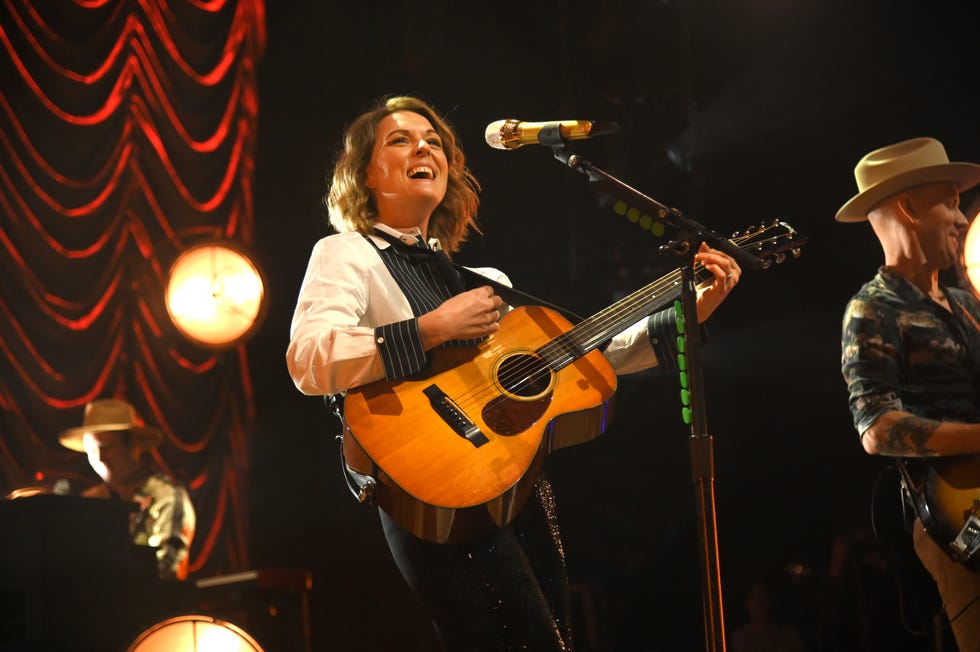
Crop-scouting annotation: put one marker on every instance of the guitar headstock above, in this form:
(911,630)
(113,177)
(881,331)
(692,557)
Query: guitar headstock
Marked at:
(770,242)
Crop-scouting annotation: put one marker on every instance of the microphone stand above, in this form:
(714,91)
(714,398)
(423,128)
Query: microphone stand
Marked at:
(691,234)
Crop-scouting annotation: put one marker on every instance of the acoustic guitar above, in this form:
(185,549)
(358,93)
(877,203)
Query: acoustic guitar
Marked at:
(455,450)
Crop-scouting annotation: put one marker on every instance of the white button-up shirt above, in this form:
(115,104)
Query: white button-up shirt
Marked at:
(347,292)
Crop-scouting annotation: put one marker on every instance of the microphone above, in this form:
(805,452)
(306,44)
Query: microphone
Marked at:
(511,134)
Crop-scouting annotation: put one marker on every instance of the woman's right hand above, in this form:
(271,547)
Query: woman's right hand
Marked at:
(468,315)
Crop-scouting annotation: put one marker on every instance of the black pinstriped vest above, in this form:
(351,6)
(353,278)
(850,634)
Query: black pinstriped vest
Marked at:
(427,278)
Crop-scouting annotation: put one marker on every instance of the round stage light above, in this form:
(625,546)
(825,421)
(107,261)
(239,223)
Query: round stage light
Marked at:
(215,294)
(194,633)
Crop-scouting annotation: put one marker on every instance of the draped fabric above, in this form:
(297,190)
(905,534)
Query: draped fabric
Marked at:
(127,135)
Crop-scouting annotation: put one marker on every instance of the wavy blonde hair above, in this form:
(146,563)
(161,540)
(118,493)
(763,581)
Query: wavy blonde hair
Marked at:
(350,203)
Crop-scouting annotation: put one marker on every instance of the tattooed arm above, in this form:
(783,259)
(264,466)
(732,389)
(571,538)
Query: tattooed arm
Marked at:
(902,434)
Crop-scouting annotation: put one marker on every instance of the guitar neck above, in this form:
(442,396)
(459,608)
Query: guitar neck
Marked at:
(591,332)
(772,240)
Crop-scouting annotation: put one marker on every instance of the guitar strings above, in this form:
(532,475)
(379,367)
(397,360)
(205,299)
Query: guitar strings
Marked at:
(567,347)
(570,346)
(581,339)
(636,303)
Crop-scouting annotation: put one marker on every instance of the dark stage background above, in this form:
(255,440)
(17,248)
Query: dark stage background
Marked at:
(771,103)
(767,105)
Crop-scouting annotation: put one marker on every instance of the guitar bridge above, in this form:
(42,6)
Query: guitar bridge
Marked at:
(967,541)
(454,417)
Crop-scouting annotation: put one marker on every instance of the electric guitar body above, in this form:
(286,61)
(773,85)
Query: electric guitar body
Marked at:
(951,514)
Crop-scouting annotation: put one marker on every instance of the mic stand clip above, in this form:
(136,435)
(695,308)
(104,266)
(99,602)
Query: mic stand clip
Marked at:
(672,216)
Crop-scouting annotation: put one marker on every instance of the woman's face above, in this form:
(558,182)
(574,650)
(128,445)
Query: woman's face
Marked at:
(408,173)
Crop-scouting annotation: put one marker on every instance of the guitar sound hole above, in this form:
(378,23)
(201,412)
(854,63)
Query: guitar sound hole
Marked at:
(524,376)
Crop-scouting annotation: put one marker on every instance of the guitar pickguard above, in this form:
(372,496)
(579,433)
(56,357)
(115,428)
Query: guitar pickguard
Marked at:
(526,385)
(508,416)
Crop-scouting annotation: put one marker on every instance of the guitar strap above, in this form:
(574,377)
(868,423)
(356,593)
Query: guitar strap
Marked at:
(511,295)
(912,491)
(359,471)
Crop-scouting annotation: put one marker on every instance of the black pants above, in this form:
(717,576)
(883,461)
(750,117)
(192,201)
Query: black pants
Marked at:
(508,591)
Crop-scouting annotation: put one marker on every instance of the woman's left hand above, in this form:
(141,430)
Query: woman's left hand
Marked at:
(726,274)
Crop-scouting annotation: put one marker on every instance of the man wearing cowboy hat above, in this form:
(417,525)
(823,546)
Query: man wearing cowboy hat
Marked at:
(911,345)
(115,443)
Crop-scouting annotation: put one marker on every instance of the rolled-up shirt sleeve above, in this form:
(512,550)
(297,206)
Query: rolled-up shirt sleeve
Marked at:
(650,342)
(662,329)
(871,362)
(633,349)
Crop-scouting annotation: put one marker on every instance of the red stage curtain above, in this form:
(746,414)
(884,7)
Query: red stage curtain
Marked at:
(127,134)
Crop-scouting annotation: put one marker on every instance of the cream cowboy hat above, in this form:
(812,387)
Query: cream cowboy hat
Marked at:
(107,415)
(901,166)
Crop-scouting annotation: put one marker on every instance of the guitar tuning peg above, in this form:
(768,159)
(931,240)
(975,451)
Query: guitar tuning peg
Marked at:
(780,257)
(796,252)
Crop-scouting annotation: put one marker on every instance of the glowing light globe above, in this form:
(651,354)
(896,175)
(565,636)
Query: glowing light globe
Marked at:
(215,294)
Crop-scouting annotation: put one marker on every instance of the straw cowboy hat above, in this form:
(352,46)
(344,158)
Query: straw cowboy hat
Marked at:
(107,415)
(901,166)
